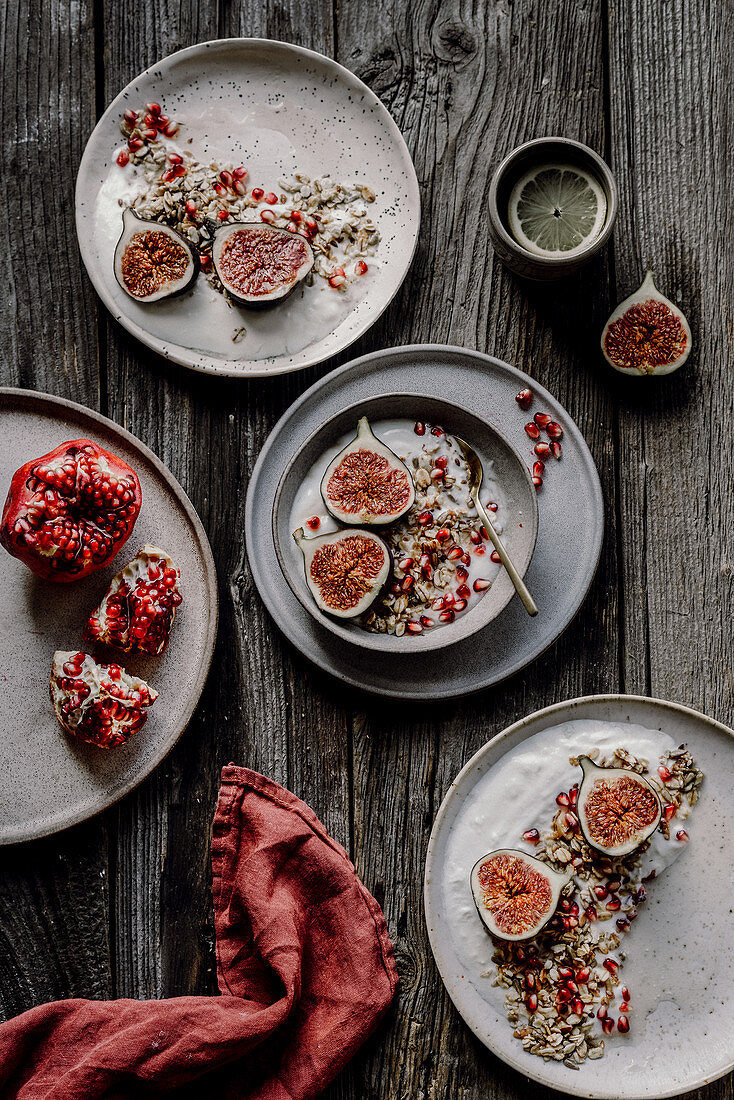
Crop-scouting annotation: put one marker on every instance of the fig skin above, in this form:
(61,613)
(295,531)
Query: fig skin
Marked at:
(592,775)
(309,547)
(647,293)
(132,225)
(555,881)
(366,440)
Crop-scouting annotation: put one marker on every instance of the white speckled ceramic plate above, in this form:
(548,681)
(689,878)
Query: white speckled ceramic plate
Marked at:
(277,109)
(679,963)
(571,501)
(49,780)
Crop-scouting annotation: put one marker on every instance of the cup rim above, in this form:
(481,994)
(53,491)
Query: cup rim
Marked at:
(554,262)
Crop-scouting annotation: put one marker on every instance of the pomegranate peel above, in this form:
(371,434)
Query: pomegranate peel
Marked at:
(139,607)
(101,704)
(646,334)
(68,512)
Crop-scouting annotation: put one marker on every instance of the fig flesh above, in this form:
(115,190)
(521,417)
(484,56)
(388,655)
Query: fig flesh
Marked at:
(345,570)
(515,894)
(618,810)
(258,264)
(647,333)
(367,484)
(153,261)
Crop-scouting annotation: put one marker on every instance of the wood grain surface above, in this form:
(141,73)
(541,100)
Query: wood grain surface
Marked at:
(120,906)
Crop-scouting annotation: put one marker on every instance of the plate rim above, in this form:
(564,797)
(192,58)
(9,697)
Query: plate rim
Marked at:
(332,378)
(153,343)
(567,707)
(34,397)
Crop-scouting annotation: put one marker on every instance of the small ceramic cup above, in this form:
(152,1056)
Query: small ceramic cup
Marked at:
(549,150)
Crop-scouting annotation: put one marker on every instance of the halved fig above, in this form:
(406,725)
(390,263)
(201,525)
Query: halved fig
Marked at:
(647,333)
(515,894)
(345,570)
(618,810)
(101,704)
(139,606)
(153,261)
(259,264)
(367,483)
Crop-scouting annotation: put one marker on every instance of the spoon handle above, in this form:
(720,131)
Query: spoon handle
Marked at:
(520,586)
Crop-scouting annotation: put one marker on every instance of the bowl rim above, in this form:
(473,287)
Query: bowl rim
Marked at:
(554,262)
(365,639)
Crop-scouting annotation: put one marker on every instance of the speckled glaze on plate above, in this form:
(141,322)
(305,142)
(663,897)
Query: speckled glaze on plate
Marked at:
(49,780)
(281,109)
(571,502)
(679,951)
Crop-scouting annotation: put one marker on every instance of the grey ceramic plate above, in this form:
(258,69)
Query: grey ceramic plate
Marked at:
(520,507)
(571,502)
(679,959)
(48,780)
(278,109)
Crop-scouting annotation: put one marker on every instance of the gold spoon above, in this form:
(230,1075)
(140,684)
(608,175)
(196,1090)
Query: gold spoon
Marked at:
(476,474)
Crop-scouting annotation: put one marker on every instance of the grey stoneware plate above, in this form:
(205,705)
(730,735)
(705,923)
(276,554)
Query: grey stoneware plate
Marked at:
(278,109)
(49,780)
(678,962)
(508,471)
(570,503)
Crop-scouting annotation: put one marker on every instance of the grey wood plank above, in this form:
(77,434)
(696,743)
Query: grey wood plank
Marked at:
(54,894)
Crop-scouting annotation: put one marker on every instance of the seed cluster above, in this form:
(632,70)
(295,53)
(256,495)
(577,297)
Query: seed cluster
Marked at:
(101,704)
(364,483)
(139,607)
(345,571)
(563,989)
(152,260)
(647,336)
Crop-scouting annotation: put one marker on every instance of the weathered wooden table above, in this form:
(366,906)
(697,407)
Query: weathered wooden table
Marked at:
(120,906)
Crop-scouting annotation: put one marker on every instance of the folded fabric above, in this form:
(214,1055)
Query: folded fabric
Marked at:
(305,971)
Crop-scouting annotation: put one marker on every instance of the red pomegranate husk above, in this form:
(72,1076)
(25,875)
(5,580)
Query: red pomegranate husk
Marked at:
(101,704)
(69,512)
(139,607)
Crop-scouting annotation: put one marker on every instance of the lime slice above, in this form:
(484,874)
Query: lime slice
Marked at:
(557,210)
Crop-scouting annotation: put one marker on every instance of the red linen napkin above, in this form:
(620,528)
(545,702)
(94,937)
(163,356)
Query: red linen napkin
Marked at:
(305,971)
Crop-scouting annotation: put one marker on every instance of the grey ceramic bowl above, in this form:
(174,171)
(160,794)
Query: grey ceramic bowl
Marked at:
(519,534)
(545,150)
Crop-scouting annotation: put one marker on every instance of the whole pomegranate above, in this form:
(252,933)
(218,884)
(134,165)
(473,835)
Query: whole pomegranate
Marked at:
(139,607)
(69,512)
(101,704)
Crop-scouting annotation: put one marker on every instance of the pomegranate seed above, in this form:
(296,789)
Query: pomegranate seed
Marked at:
(623,1025)
(227,178)
(494,556)
(419,428)
(484,532)
(425,518)
(148,134)
(566,906)
(555,449)
(134,144)
(360,268)
(682,835)
(170,129)
(459,605)
(438,604)
(206,262)
(622,924)
(130,116)
(532,430)
(531,1002)
(408,583)
(296,216)
(564,973)
(396,589)
(562,799)
(257,193)
(267,216)
(571,820)
(608,1024)
(542,419)
(336,280)
(538,469)
(611,965)
(564,995)
(461,573)
(590,912)
(583,975)
(217,188)
(271,198)
(223,215)
(601,892)
(314,523)
(475,537)
(571,986)
(573,795)
(240,173)
(623,1008)
(542,450)
(427,621)
(153,108)
(437,430)
(532,836)
(414,628)
(578,1007)
(437,474)
(524,398)
(665,773)
(640,894)
(312,225)
(443,534)
(447,616)
(480,550)
(167,176)
(554,430)
(405,564)
(454,553)
(463,591)
(190,207)
(123,158)
(481,585)
(602,1012)
(669,811)
(538,483)
(174,158)
(613,905)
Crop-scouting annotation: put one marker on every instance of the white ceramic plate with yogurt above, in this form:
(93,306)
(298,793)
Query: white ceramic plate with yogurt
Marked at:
(278,109)
(678,961)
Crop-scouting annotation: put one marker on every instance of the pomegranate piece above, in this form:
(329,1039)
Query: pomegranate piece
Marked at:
(69,512)
(101,704)
(139,607)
